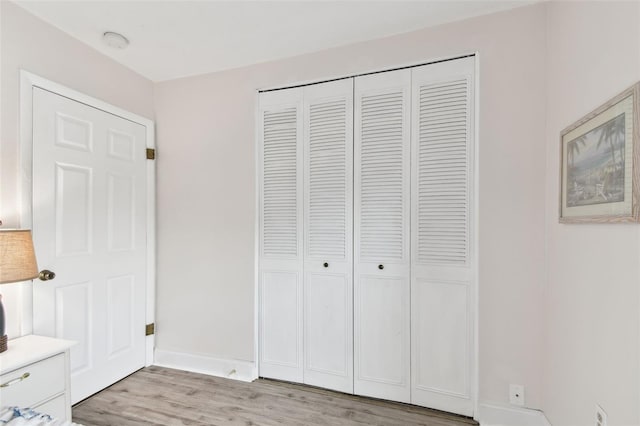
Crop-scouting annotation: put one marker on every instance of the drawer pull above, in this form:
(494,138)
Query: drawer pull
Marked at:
(14,381)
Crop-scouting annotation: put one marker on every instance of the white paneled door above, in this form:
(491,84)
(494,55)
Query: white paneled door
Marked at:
(328,217)
(443,258)
(381,264)
(89,227)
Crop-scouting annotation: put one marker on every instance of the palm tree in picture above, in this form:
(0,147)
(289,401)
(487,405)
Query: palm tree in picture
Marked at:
(573,148)
(574,190)
(612,134)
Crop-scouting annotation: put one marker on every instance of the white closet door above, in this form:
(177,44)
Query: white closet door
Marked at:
(281,258)
(381,203)
(328,214)
(442,266)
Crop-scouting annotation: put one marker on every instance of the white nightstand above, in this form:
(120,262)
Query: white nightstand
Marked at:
(34,373)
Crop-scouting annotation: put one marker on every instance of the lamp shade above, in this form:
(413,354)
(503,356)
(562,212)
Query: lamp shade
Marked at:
(17,257)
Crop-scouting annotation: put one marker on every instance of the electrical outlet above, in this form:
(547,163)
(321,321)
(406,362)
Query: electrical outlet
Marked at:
(516,395)
(601,416)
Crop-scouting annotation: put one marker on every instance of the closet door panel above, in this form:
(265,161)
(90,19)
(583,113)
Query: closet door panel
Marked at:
(327,333)
(280,323)
(443,258)
(441,330)
(382,302)
(328,215)
(280,242)
(381,229)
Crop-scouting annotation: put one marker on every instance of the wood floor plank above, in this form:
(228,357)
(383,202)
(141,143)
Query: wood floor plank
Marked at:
(163,396)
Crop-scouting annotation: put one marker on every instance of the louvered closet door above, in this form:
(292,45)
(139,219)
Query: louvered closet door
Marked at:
(381,225)
(442,244)
(281,252)
(328,213)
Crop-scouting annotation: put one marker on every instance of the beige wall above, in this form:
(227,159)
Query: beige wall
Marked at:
(30,44)
(207,192)
(592,299)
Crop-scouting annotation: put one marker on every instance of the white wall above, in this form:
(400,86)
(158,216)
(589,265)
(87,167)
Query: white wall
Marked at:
(28,43)
(206,191)
(592,298)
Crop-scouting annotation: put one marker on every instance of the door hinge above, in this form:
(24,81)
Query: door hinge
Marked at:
(151,154)
(150,329)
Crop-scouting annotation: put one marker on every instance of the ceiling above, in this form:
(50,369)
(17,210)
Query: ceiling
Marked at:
(172,39)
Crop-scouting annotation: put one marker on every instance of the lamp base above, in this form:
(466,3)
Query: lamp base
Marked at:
(3,343)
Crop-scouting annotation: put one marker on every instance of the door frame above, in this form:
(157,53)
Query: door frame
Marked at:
(29,81)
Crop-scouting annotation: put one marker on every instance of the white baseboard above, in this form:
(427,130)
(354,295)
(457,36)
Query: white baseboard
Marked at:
(228,368)
(497,415)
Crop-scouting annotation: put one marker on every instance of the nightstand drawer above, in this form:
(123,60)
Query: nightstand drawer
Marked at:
(56,408)
(41,381)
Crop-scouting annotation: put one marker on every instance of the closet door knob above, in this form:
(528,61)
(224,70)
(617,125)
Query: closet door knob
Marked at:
(380,267)
(326,265)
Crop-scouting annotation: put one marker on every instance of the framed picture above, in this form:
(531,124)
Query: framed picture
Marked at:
(599,164)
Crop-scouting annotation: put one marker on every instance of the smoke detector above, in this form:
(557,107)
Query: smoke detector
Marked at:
(115,40)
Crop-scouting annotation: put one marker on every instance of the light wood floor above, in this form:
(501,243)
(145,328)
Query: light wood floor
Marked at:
(162,396)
